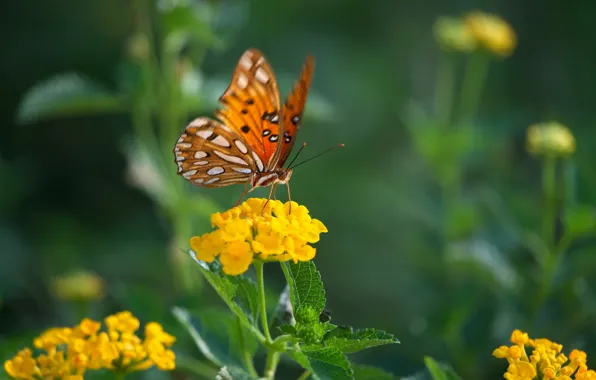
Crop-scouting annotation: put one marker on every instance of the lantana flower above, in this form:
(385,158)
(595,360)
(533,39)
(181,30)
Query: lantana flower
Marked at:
(258,228)
(546,361)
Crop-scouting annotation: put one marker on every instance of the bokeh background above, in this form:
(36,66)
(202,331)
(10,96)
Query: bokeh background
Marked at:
(77,193)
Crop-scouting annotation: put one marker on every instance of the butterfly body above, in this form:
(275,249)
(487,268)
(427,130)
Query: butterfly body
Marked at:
(254,133)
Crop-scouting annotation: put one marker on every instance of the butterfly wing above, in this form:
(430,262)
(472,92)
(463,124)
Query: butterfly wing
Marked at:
(211,154)
(293,108)
(250,105)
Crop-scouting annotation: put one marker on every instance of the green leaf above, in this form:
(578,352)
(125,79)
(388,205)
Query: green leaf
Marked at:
(229,373)
(365,372)
(238,292)
(325,363)
(306,287)
(580,220)
(438,371)
(67,94)
(360,340)
(185,18)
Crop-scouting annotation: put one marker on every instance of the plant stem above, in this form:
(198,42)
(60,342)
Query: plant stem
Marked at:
(473,85)
(549,183)
(305,375)
(263,306)
(246,356)
(271,365)
(444,89)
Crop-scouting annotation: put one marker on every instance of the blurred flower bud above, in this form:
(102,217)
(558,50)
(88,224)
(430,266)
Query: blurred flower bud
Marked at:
(550,139)
(137,48)
(78,286)
(492,32)
(452,34)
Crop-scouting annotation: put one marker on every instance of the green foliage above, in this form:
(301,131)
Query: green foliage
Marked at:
(579,221)
(365,372)
(439,372)
(67,94)
(319,347)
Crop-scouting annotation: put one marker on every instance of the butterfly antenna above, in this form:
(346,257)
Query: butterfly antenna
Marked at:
(297,153)
(315,156)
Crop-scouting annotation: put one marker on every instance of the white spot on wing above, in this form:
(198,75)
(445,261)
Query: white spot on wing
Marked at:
(261,75)
(201,154)
(199,122)
(189,173)
(221,141)
(241,147)
(242,170)
(242,81)
(200,162)
(258,161)
(215,170)
(184,145)
(227,157)
(246,62)
(204,133)
(209,182)
(182,137)
(199,180)
(179,158)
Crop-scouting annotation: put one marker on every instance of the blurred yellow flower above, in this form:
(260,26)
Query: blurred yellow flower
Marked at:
(268,230)
(545,362)
(67,353)
(453,34)
(550,139)
(78,286)
(492,32)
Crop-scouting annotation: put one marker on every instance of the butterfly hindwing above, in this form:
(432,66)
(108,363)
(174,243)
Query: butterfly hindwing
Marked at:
(293,109)
(210,154)
(250,105)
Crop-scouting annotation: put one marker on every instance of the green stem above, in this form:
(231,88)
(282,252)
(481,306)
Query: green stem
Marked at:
(444,89)
(246,356)
(263,305)
(549,183)
(305,375)
(271,365)
(473,85)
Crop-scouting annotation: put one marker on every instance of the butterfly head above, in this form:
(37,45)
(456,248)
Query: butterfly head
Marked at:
(278,176)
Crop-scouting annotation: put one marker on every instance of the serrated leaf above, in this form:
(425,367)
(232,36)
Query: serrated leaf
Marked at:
(306,286)
(360,340)
(67,94)
(328,363)
(238,292)
(580,220)
(438,371)
(365,372)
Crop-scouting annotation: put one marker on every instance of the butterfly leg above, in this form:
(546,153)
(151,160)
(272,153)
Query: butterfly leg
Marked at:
(289,198)
(271,192)
(242,195)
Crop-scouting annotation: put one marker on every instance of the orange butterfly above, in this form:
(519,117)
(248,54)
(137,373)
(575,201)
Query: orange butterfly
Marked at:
(252,139)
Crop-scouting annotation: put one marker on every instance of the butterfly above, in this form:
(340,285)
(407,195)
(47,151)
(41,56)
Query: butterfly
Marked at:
(254,133)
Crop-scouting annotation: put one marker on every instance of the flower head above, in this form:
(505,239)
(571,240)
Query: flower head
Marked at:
(452,34)
(545,361)
(268,230)
(492,32)
(550,139)
(67,353)
(80,285)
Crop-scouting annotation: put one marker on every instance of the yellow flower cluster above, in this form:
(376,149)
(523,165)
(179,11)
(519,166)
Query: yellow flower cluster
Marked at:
(78,286)
(475,30)
(67,353)
(545,362)
(269,230)
(550,139)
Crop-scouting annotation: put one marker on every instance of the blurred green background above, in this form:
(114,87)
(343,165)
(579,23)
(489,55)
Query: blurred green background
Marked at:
(68,202)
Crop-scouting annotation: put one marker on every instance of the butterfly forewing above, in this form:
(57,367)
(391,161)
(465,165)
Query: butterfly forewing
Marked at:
(250,105)
(210,154)
(293,109)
